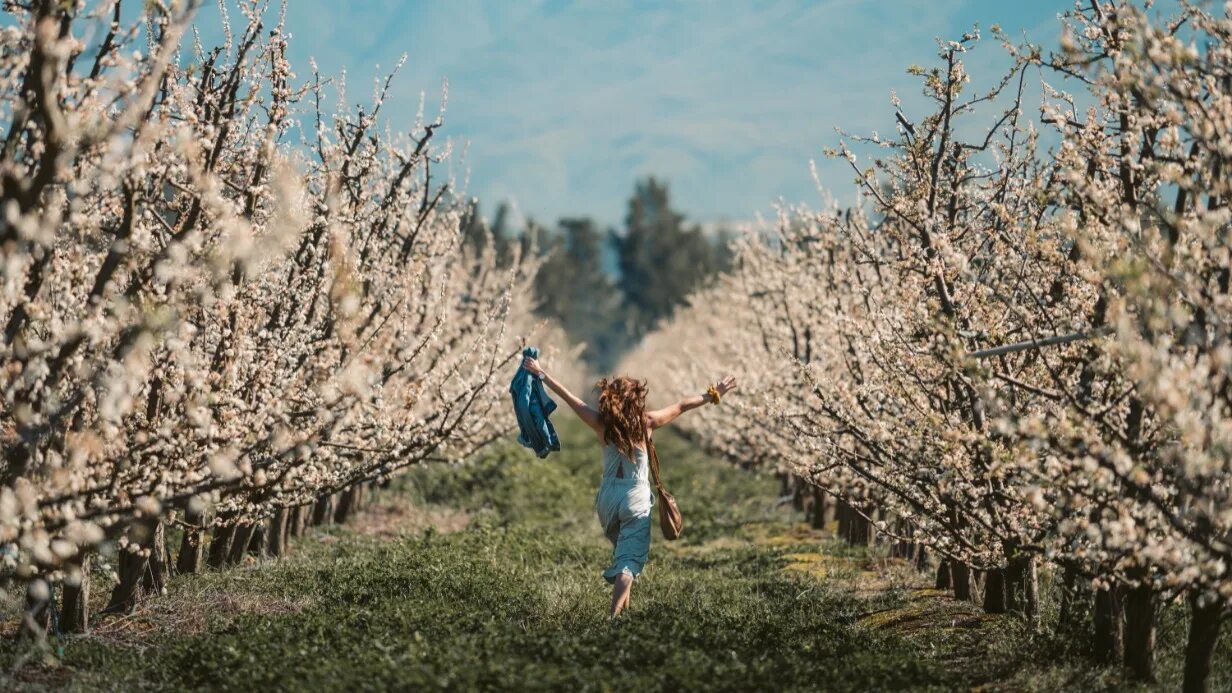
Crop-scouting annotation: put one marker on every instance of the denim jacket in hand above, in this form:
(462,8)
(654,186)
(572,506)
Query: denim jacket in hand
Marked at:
(533,406)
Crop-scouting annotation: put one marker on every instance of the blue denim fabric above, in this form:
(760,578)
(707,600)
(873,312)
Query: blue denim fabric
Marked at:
(533,406)
(623,503)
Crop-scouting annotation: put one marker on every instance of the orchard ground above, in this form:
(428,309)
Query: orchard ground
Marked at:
(485,575)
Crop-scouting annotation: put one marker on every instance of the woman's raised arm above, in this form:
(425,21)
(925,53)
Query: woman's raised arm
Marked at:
(662,417)
(589,416)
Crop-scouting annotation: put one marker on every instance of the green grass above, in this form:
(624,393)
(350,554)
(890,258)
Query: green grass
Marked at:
(515,601)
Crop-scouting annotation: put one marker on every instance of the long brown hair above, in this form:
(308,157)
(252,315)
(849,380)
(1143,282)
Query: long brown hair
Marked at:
(622,411)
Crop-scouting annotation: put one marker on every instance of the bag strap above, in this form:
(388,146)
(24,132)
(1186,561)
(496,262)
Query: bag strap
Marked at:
(654,461)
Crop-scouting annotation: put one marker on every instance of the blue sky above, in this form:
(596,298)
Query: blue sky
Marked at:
(562,105)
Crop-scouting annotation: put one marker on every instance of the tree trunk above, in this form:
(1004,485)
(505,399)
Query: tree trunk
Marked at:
(36,618)
(1109,625)
(256,545)
(346,505)
(910,551)
(1205,617)
(863,530)
(859,529)
(321,511)
(844,520)
(132,569)
(797,493)
(154,581)
(899,547)
(994,592)
(134,561)
(1013,588)
(276,543)
(1140,632)
(1071,591)
(75,598)
(1023,598)
(191,547)
(875,537)
(960,576)
(921,558)
(818,516)
(295,524)
(907,549)
(943,574)
(220,546)
(239,544)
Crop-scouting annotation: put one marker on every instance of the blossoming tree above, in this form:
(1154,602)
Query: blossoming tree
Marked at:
(206,321)
(1018,353)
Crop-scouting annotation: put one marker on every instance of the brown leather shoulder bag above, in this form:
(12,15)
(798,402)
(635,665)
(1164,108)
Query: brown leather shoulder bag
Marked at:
(669,513)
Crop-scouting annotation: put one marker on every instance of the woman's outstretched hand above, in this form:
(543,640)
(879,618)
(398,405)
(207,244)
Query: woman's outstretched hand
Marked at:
(726,385)
(532,364)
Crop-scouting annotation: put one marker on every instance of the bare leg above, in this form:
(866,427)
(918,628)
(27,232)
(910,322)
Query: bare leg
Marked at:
(620,593)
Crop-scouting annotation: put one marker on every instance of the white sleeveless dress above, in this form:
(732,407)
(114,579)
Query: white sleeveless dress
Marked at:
(623,503)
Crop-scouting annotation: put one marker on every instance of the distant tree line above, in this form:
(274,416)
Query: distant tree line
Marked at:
(609,287)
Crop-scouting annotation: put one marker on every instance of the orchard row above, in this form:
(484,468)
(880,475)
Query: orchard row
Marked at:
(1016,353)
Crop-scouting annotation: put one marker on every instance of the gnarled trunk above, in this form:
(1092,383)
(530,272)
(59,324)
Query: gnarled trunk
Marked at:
(1022,587)
(346,504)
(1072,590)
(817,518)
(276,543)
(132,567)
(154,581)
(305,518)
(960,578)
(859,531)
(1204,622)
(295,525)
(322,511)
(944,581)
(134,561)
(256,545)
(75,597)
(192,546)
(239,544)
(1140,631)
(902,547)
(994,592)
(220,546)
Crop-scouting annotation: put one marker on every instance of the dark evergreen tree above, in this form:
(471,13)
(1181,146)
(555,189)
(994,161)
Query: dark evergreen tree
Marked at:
(661,259)
(478,233)
(573,288)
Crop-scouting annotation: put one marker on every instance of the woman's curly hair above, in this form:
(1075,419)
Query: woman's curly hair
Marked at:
(622,411)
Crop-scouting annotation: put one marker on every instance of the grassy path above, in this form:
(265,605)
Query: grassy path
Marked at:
(486,576)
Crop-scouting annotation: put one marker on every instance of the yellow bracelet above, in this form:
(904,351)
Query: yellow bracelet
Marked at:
(714,394)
